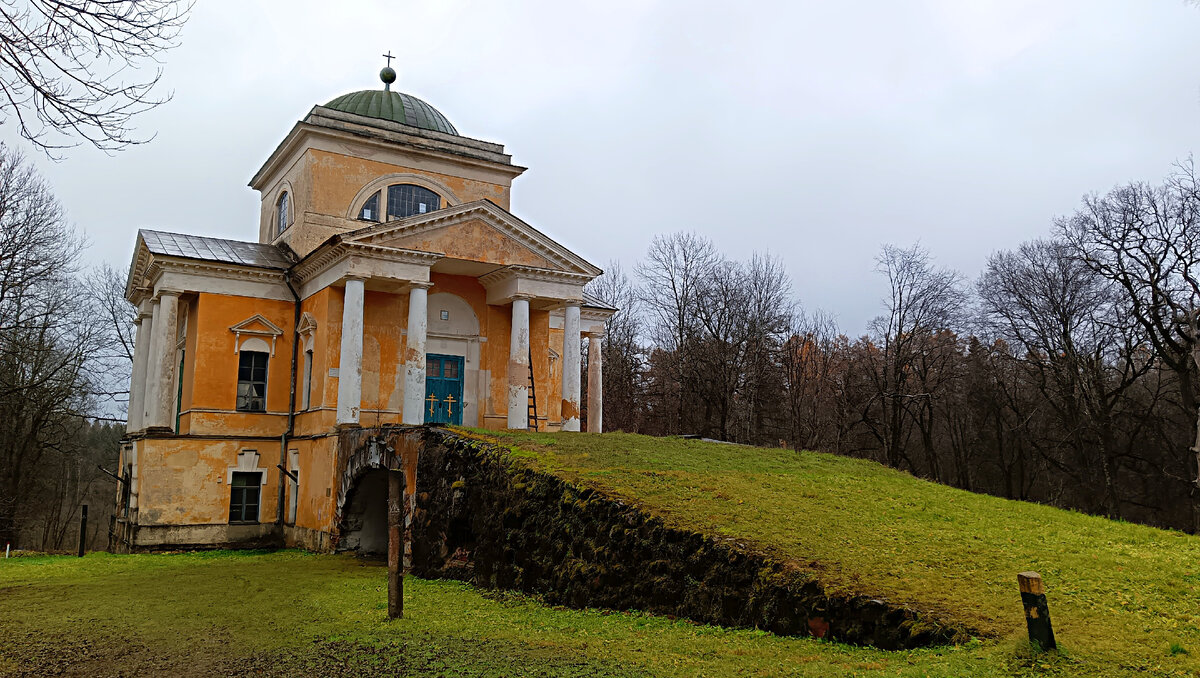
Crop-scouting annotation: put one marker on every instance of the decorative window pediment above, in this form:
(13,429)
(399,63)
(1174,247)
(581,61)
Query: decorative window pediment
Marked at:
(307,325)
(255,326)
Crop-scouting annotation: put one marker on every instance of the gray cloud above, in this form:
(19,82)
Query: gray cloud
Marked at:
(813,130)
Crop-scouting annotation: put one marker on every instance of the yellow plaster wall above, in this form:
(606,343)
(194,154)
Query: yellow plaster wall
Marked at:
(184,481)
(211,381)
(385,316)
(318,487)
(554,388)
(189,365)
(298,180)
(325,343)
(539,345)
(336,179)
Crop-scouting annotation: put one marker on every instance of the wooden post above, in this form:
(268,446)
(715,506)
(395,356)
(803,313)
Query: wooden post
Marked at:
(1037,612)
(395,544)
(83,531)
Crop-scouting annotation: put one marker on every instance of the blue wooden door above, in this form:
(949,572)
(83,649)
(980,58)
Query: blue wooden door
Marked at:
(443,389)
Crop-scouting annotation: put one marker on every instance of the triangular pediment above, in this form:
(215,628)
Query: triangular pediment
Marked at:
(256,325)
(476,231)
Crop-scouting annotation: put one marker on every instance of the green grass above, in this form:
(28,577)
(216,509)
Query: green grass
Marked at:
(1124,599)
(291,613)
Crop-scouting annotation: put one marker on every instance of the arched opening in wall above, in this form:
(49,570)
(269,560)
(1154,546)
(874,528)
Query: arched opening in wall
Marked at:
(364,527)
(452,370)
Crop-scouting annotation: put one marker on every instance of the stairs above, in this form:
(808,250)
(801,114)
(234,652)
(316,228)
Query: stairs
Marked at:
(532,424)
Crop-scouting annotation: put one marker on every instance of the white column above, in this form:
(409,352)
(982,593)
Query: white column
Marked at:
(160,368)
(570,369)
(518,366)
(414,353)
(137,377)
(595,384)
(149,384)
(349,399)
(133,479)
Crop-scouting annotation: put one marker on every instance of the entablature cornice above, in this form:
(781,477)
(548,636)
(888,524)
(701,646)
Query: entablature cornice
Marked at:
(533,273)
(336,261)
(548,288)
(195,276)
(373,140)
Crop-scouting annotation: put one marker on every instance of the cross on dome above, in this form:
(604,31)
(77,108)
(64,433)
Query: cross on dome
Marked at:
(388,74)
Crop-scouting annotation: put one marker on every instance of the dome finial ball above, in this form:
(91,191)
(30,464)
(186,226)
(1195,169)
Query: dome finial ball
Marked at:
(387,75)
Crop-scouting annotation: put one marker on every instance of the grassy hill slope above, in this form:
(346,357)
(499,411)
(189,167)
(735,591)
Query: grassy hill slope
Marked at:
(296,614)
(1124,598)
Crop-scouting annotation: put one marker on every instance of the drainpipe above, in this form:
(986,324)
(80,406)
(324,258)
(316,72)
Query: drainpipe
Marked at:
(291,421)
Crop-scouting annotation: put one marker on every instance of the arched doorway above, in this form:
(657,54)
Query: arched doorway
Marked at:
(364,528)
(453,344)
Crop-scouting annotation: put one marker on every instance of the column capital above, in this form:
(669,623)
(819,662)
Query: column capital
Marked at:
(592,334)
(522,297)
(419,284)
(167,293)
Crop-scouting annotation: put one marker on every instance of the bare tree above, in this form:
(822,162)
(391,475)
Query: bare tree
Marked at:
(64,67)
(115,317)
(48,336)
(922,300)
(810,360)
(1069,325)
(1146,240)
(623,355)
(672,274)
(769,311)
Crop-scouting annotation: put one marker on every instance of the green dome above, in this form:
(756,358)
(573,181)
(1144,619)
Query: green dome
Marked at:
(394,106)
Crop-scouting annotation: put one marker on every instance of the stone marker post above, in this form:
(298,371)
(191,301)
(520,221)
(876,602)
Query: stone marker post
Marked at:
(83,530)
(1037,612)
(395,544)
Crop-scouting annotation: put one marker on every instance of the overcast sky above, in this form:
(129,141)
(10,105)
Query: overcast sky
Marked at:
(816,131)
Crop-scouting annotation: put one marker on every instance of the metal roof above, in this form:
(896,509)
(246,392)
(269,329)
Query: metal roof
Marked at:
(399,107)
(596,302)
(215,249)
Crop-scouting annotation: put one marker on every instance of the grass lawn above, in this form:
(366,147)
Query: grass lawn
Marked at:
(291,613)
(1124,599)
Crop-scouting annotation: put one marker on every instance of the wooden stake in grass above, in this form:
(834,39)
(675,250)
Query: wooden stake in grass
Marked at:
(395,544)
(83,530)
(1037,612)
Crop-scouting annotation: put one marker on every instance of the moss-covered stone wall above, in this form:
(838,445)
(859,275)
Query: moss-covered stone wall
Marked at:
(484,518)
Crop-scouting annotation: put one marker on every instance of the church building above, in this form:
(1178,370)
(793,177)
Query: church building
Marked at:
(389,284)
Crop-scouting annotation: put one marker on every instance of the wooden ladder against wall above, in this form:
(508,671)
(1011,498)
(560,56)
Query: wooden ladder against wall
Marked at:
(532,424)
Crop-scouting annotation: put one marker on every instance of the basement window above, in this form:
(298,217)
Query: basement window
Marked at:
(252,381)
(244,495)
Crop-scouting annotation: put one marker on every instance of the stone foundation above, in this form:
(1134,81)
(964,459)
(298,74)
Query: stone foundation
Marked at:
(484,519)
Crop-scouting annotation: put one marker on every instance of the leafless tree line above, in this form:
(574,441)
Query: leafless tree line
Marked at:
(1065,373)
(57,363)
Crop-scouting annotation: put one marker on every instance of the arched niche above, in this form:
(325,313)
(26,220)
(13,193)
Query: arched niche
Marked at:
(453,329)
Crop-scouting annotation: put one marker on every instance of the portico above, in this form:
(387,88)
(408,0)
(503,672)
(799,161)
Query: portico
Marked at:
(390,284)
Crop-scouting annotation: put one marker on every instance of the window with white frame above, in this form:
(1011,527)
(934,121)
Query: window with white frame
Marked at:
(252,381)
(401,200)
(244,494)
(281,214)
(308,366)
